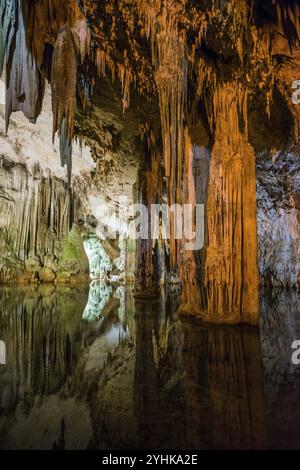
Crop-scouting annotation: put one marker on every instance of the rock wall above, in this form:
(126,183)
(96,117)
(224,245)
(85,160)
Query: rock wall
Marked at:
(38,206)
(36,217)
(278,217)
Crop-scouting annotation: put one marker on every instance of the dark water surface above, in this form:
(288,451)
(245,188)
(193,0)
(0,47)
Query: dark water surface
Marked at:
(96,369)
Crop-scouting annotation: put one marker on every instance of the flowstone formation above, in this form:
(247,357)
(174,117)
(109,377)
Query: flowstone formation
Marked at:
(191,92)
(35,215)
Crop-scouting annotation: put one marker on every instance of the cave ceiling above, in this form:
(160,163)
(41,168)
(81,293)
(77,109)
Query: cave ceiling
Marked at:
(151,64)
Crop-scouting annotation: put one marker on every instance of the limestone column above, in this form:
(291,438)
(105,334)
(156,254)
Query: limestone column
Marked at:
(231,270)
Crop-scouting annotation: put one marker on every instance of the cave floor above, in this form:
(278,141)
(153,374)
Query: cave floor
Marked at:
(91,368)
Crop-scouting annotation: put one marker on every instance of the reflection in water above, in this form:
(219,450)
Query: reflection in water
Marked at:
(97,369)
(280,327)
(99,295)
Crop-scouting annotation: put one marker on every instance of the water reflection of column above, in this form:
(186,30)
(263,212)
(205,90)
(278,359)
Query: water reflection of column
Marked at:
(145,381)
(225,397)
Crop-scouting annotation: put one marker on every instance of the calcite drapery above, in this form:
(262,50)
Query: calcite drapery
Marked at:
(8,24)
(24,81)
(39,40)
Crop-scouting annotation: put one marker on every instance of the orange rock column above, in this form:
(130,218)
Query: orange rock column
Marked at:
(231,271)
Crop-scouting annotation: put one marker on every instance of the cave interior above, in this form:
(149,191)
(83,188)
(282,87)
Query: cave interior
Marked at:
(107,106)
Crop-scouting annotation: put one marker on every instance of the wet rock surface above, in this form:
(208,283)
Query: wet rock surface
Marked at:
(278,217)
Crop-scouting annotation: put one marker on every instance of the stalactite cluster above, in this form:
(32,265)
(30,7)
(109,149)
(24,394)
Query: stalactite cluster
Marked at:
(35,46)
